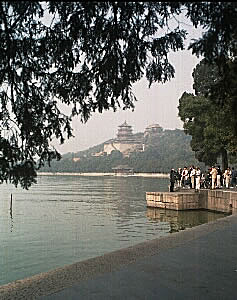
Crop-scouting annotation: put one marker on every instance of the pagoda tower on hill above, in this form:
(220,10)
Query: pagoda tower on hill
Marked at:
(125,133)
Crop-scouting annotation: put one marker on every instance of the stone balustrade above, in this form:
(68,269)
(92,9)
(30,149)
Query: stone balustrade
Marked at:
(215,200)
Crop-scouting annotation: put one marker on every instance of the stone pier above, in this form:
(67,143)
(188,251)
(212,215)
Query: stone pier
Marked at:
(215,200)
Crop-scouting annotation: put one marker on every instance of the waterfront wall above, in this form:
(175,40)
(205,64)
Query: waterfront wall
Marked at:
(215,200)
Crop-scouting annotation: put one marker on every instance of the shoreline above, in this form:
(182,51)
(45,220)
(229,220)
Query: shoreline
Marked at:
(155,175)
(50,285)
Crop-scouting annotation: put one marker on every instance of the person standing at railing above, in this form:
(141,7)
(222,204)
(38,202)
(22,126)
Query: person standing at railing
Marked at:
(185,177)
(213,177)
(233,177)
(198,177)
(172,180)
(218,177)
(192,176)
(227,176)
(179,177)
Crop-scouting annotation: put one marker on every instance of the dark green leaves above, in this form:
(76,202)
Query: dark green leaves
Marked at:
(210,122)
(88,55)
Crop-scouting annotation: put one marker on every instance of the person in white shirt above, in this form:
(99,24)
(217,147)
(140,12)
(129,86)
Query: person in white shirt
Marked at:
(192,175)
(227,176)
(198,177)
(213,177)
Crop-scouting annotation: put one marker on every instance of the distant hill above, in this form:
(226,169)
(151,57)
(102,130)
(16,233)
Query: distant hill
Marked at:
(171,149)
(84,153)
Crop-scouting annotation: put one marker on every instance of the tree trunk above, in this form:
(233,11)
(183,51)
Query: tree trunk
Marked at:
(224,160)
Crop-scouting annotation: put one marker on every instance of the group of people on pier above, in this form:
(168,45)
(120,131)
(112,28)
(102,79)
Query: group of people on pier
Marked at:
(194,178)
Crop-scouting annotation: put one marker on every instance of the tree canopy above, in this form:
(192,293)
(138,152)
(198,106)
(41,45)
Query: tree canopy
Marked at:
(87,55)
(210,121)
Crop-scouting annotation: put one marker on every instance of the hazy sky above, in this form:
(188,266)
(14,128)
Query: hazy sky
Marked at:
(155,105)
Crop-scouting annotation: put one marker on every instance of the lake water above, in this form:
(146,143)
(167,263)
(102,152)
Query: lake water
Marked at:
(66,219)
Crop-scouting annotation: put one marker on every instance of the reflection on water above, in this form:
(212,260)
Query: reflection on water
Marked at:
(65,219)
(11,226)
(180,220)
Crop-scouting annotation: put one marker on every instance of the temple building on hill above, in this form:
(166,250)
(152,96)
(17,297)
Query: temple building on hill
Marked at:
(125,133)
(125,142)
(153,129)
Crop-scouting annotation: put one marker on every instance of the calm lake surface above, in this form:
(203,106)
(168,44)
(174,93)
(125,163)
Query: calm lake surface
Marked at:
(66,219)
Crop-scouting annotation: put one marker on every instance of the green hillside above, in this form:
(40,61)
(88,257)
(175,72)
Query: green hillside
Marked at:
(171,149)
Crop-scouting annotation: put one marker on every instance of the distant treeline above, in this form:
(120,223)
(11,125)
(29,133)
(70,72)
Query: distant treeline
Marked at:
(170,149)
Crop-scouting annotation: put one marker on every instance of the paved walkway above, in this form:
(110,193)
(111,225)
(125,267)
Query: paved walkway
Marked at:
(197,263)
